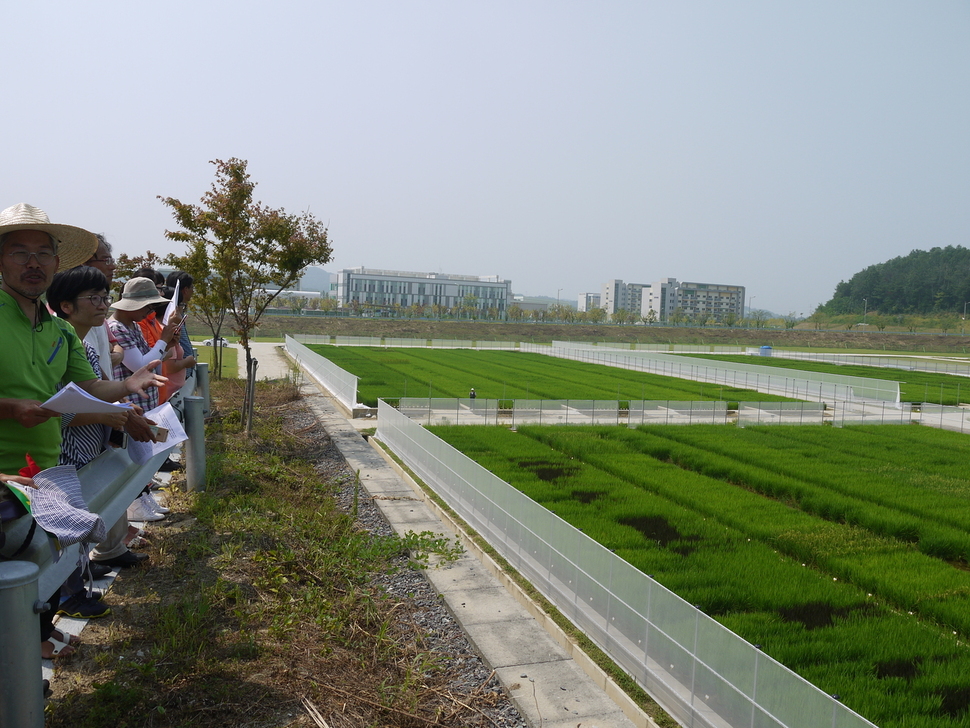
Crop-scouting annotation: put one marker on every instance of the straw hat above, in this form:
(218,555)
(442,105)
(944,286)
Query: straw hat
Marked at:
(138,293)
(74,245)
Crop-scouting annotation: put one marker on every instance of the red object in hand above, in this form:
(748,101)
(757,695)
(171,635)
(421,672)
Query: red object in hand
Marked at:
(31,468)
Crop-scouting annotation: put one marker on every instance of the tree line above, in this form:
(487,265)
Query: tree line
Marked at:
(924,282)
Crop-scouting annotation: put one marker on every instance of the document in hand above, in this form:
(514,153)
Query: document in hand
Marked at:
(72,398)
(164,417)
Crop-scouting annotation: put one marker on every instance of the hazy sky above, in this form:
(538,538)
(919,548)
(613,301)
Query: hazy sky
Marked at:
(777,145)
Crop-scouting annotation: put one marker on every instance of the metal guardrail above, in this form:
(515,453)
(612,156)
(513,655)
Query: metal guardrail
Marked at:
(109,484)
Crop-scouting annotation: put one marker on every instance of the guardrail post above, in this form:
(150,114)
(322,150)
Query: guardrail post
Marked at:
(202,386)
(195,445)
(21,691)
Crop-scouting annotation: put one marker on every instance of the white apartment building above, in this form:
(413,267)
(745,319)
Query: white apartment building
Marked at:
(588,301)
(669,299)
(376,288)
(693,301)
(616,295)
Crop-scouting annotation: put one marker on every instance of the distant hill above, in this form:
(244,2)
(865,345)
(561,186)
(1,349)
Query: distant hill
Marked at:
(315,280)
(923,282)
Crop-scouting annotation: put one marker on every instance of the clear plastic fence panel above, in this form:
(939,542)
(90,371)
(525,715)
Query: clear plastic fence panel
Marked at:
(527,411)
(341,383)
(580,411)
(699,671)
(780,413)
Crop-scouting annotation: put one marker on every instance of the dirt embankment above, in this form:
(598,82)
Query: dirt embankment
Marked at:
(544,333)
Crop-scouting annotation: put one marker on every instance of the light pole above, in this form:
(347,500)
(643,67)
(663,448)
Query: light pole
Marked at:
(964,324)
(865,310)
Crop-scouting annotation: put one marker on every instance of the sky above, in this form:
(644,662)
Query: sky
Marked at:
(559,144)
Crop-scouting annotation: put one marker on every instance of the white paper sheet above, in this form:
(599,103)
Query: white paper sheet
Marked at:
(74,399)
(163,416)
(173,305)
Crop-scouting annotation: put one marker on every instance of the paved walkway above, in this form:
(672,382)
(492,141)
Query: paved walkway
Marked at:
(552,682)
(273,363)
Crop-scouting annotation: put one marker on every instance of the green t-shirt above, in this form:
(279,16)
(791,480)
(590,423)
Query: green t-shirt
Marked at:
(32,363)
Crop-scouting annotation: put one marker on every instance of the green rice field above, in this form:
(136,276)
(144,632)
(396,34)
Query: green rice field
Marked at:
(393,373)
(842,552)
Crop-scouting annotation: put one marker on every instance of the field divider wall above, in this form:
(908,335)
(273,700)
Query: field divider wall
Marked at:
(795,384)
(697,670)
(341,383)
(914,363)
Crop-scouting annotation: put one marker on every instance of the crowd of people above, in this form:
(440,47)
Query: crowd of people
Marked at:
(61,324)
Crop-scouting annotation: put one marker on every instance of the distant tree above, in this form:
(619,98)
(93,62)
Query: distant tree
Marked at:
(677,316)
(791,320)
(619,316)
(560,312)
(759,317)
(251,247)
(515,312)
(126,264)
(730,319)
(651,317)
(297,304)
(596,315)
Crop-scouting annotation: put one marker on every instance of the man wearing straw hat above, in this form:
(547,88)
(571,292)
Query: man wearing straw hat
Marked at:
(39,350)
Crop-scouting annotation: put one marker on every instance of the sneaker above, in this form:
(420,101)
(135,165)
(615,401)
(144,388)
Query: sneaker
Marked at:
(138,511)
(152,502)
(81,607)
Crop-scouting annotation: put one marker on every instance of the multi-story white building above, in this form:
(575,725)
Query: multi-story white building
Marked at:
(390,288)
(669,299)
(618,295)
(587,301)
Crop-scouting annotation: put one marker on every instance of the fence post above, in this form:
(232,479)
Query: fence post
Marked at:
(202,387)
(21,692)
(195,445)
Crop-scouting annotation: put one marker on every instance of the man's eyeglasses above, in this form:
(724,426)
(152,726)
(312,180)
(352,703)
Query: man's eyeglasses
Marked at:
(107,261)
(44,257)
(98,300)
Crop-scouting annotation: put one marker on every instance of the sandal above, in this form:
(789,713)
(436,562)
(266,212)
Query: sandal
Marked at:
(56,650)
(65,637)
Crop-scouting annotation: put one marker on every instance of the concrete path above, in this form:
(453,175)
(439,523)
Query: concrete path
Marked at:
(273,363)
(551,681)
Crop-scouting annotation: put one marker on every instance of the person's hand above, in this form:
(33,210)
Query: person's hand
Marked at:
(115,420)
(19,480)
(139,428)
(187,362)
(170,331)
(145,378)
(29,413)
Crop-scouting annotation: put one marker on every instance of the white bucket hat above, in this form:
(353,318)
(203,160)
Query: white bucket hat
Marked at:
(138,293)
(74,245)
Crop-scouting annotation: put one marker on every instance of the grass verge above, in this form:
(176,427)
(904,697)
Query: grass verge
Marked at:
(261,602)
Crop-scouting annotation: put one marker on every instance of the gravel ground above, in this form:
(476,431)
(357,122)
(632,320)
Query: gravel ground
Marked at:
(467,674)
